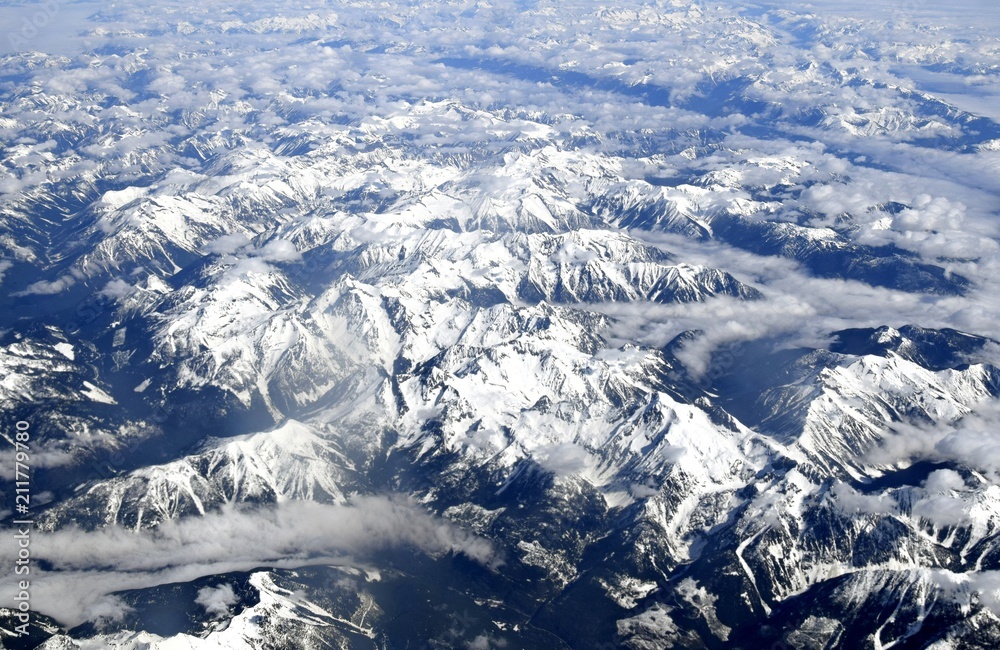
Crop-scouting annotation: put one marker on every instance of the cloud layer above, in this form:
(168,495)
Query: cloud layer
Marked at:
(87,566)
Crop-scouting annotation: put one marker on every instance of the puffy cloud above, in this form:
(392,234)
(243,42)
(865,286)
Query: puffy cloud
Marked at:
(987,585)
(46,288)
(721,320)
(117,289)
(42,457)
(852,502)
(485,642)
(959,586)
(930,213)
(564,459)
(279,250)
(217,601)
(248,265)
(942,510)
(106,610)
(972,441)
(944,481)
(643,490)
(227,244)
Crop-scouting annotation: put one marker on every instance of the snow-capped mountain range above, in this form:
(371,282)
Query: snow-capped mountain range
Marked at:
(470,326)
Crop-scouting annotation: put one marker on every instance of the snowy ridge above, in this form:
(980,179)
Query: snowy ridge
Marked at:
(290,462)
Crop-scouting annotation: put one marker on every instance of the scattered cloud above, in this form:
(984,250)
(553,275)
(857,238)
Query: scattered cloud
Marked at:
(278,250)
(942,510)
(117,289)
(227,244)
(944,481)
(46,288)
(106,610)
(851,502)
(564,459)
(972,441)
(485,642)
(217,601)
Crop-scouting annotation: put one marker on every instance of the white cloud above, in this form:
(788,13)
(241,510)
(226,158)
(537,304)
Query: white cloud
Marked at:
(117,289)
(852,502)
(89,565)
(106,610)
(46,288)
(279,250)
(227,244)
(944,481)
(930,213)
(217,601)
(972,441)
(721,320)
(942,510)
(484,642)
(564,459)
(987,585)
